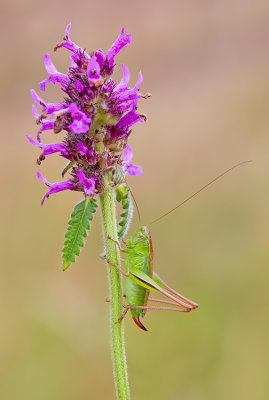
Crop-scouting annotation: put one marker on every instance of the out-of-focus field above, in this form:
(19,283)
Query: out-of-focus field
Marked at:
(206,64)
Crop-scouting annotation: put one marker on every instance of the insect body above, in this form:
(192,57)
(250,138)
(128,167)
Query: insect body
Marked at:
(140,279)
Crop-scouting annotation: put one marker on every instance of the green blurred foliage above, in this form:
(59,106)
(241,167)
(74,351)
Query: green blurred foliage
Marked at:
(206,65)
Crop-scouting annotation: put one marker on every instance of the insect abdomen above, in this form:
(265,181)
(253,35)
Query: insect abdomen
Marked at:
(135,296)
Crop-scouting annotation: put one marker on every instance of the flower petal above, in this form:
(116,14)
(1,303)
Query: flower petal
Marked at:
(54,187)
(35,112)
(116,47)
(50,67)
(55,78)
(124,80)
(130,94)
(139,81)
(93,68)
(49,148)
(87,183)
(49,107)
(129,119)
(81,148)
(127,153)
(134,170)
(80,122)
(68,44)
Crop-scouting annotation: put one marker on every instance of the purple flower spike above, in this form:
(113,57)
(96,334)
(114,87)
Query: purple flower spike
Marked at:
(87,183)
(96,116)
(55,187)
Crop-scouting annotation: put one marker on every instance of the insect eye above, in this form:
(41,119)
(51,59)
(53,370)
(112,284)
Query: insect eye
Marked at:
(139,235)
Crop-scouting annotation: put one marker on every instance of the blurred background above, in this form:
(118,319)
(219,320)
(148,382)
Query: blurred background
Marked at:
(206,65)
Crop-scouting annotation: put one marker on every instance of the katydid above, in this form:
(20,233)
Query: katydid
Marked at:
(140,277)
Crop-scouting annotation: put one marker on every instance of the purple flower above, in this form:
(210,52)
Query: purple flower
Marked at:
(130,119)
(55,76)
(127,164)
(68,44)
(55,187)
(80,120)
(87,183)
(49,148)
(116,47)
(49,108)
(96,115)
(123,85)
(93,68)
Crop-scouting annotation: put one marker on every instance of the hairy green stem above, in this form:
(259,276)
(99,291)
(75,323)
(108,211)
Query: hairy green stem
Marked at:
(117,331)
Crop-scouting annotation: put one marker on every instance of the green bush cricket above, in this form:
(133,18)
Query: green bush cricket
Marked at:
(140,277)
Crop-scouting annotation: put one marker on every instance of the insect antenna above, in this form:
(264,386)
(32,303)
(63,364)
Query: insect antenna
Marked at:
(200,190)
(136,205)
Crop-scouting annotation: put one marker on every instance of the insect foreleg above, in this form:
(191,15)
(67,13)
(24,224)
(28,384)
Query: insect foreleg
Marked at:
(118,268)
(116,242)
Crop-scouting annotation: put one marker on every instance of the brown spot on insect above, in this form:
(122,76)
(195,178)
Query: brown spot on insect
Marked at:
(139,235)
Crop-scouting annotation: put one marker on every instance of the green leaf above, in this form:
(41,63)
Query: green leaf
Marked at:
(123,196)
(77,230)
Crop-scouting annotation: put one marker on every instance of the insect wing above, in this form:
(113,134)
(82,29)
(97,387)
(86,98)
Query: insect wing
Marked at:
(143,279)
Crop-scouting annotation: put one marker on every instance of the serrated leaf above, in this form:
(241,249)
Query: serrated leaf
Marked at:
(79,224)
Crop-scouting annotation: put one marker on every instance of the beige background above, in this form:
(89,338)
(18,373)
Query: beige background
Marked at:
(206,65)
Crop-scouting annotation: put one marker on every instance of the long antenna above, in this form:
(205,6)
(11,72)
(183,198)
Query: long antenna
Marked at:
(200,190)
(136,206)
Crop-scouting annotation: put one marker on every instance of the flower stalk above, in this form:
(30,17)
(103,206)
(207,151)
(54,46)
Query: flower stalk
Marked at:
(117,329)
(97,116)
